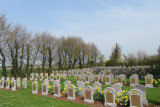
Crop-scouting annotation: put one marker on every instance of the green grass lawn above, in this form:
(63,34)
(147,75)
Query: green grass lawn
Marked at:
(24,97)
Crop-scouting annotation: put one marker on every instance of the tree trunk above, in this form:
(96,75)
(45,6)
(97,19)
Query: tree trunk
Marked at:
(4,73)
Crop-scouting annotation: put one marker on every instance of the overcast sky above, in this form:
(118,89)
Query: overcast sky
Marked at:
(133,24)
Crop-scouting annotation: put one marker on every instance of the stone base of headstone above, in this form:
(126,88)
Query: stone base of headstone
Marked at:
(71,98)
(44,93)
(149,85)
(87,82)
(34,92)
(110,104)
(88,101)
(107,83)
(56,95)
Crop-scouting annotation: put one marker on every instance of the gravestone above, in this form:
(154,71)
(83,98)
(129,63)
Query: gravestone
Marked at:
(91,78)
(87,79)
(120,79)
(81,85)
(2,83)
(69,73)
(109,96)
(46,80)
(65,72)
(57,92)
(77,78)
(88,94)
(56,72)
(58,77)
(31,76)
(117,88)
(60,72)
(25,82)
(52,77)
(109,79)
(136,98)
(96,78)
(96,86)
(71,92)
(148,80)
(143,90)
(13,85)
(34,87)
(36,77)
(18,82)
(45,88)
(7,83)
(46,76)
(134,80)
(41,77)
(66,83)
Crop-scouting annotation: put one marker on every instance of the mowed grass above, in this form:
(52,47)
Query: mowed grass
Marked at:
(24,98)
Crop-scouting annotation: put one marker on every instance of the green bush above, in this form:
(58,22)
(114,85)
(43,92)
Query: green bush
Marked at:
(123,98)
(98,95)
(50,89)
(62,79)
(156,83)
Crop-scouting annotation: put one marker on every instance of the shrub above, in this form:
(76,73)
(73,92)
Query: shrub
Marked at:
(98,95)
(50,89)
(62,79)
(122,98)
(21,85)
(155,82)
(101,79)
(77,91)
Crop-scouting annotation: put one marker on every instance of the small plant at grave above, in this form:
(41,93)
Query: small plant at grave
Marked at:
(62,79)
(101,79)
(21,85)
(98,95)
(122,98)
(64,90)
(88,73)
(77,91)
(50,89)
(115,81)
(10,84)
(74,78)
(54,77)
(124,81)
(155,82)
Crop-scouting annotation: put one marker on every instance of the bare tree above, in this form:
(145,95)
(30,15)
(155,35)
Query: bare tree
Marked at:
(4,28)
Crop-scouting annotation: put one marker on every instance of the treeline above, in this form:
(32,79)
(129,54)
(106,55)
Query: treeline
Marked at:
(117,59)
(22,50)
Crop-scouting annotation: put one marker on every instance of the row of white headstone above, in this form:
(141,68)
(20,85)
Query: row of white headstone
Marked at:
(109,79)
(137,95)
(42,77)
(13,83)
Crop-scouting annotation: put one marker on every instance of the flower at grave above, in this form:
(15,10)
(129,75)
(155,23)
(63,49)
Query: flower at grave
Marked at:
(63,92)
(79,88)
(99,91)
(122,98)
(49,86)
(96,88)
(102,92)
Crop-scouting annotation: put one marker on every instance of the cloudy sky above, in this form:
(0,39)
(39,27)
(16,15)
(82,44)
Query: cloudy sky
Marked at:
(133,24)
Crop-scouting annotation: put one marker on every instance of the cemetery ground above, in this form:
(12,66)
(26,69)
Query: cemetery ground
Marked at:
(25,98)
